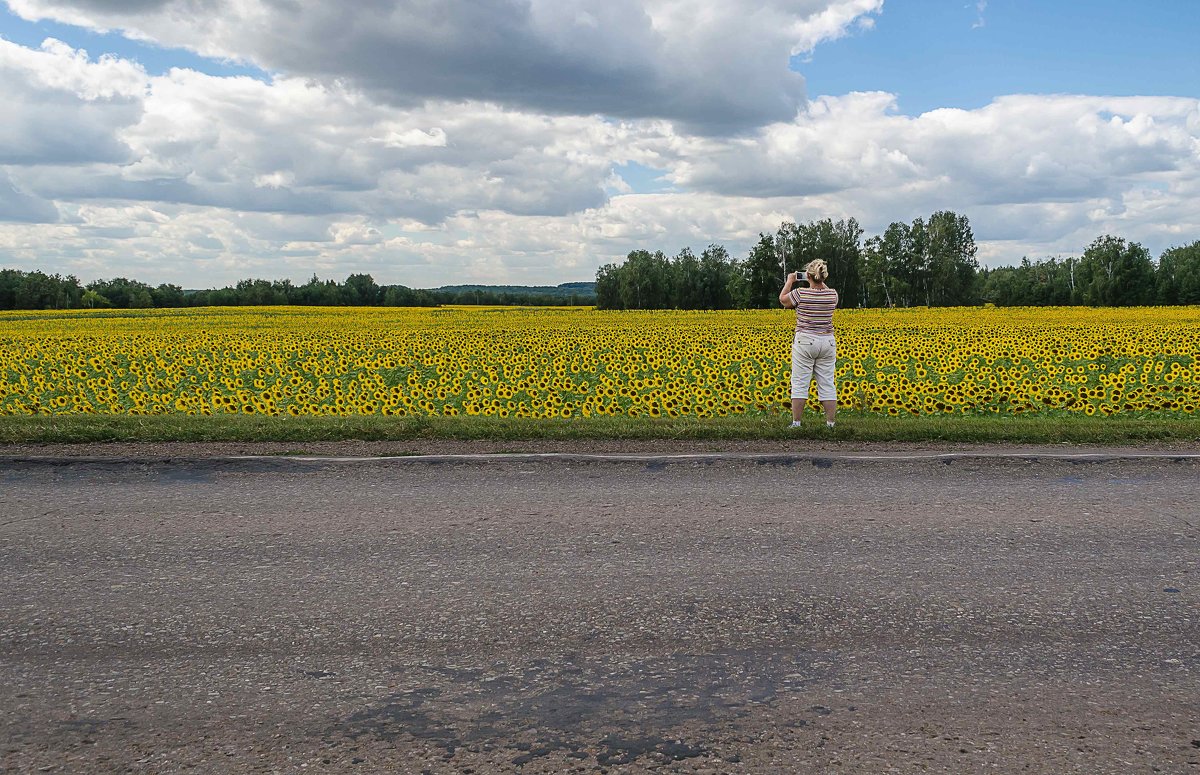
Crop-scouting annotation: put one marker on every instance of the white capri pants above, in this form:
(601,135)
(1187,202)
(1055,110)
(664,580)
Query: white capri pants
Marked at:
(814,353)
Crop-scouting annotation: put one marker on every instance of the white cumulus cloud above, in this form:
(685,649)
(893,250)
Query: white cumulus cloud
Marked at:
(715,64)
(498,162)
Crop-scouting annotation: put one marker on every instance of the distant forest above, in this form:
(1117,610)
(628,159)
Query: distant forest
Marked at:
(37,290)
(930,262)
(926,263)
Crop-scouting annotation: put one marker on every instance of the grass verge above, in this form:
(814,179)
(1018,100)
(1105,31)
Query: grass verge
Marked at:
(851,427)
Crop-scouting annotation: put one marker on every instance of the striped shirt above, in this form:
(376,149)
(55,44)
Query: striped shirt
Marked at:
(814,309)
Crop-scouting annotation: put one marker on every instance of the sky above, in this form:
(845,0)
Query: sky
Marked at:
(438,142)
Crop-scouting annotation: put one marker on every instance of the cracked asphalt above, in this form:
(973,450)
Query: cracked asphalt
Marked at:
(726,614)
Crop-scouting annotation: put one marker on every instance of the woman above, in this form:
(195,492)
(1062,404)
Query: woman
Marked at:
(813,346)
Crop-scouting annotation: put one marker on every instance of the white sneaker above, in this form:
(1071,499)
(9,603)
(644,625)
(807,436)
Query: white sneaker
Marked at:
(796,423)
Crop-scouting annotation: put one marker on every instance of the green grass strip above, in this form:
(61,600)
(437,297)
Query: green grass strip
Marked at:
(851,427)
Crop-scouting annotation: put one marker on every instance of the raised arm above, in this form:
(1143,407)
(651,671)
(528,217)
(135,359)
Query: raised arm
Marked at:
(785,295)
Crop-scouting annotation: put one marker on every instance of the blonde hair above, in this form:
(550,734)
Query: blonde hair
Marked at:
(817,270)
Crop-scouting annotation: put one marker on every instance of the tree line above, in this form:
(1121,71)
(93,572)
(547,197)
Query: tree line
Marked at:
(929,262)
(1111,273)
(38,290)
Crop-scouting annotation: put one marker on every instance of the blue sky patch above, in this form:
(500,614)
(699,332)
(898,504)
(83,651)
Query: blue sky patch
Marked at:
(157,60)
(953,55)
(643,179)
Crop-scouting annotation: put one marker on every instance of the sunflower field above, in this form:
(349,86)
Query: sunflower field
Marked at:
(578,362)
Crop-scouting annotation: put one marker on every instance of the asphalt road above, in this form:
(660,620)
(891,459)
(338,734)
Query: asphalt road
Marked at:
(783,615)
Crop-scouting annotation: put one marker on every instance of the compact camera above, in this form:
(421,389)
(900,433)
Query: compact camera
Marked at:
(801,276)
